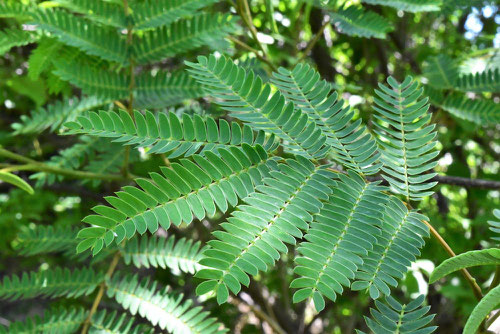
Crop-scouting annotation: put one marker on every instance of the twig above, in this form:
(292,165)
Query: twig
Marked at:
(454,181)
(315,39)
(466,182)
(262,315)
(468,277)
(491,320)
(249,48)
(100,293)
(131,86)
(246,15)
(33,165)
(496,279)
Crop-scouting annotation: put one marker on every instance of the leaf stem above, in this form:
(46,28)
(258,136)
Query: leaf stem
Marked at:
(262,315)
(254,51)
(496,279)
(130,105)
(100,293)
(468,277)
(246,15)
(33,165)
(314,40)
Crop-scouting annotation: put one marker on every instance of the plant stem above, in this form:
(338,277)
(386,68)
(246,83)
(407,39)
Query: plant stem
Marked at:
(33,165)
(246,15)
(496,279)
(262,315)
(313,41)
(130,105)
(256,52)
(100,293)
(468,277)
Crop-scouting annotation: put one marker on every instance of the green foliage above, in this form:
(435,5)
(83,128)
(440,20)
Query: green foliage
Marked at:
(181,36)
(397,246)
(495,225)
(153,14)
(51,283)
(167,133)
(414,6)
(180,256)
(406,138)
(106,12)
(351,146)
(103,322)
(255,235)
(10,38)
(185,189)
(45,239)
(338,239)
(100,83)
(57,320)
(250,100)
(165,89)
(441,71)
(392,317)
(487,81)
(41,58)
(262,165)
(356,21)
(466,260)
(16,181)
(52,116)
(487,304)
(483,112)
(75,31)
(161,308)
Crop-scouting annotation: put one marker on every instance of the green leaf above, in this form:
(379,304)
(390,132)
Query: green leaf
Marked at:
(161,308)
(356,21)
(16,181)
(393,317)
(406,138)
(441,71)
(414,6)
(487,304)
(466,260)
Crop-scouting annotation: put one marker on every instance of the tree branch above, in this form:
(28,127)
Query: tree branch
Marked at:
(466,182)
(33,165)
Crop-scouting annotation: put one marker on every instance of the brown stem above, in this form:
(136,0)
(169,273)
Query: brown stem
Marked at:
(315,39)
(262,315)
(254,51)
(100,293)
(468,277)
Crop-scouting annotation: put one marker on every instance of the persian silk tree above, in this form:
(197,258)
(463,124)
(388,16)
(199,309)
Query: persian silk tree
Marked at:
(270,179)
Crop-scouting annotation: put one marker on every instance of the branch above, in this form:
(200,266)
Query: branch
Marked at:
(451,180)
(100,293)
(468,277)
(262,315)
(466,182)
(246,15)
(33,165)
(314,40)
(130,27)
(249,48)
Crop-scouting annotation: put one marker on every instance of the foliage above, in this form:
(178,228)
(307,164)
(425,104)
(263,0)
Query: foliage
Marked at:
(249,166)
